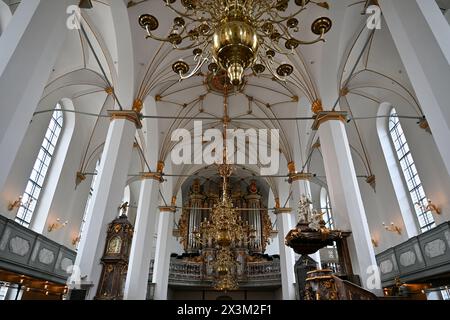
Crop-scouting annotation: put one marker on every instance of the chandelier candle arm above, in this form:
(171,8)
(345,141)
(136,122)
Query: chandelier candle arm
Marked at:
(234,32)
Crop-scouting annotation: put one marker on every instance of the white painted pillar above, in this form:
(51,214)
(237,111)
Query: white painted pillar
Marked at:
(285,223)
(162,255)
(345,196)
(29,49)
(108,192)
(422,37)
(287,257)
(164,242)
(144,230)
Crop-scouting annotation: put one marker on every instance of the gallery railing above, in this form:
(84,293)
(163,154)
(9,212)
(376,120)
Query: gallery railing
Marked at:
(421,257)
(194,273)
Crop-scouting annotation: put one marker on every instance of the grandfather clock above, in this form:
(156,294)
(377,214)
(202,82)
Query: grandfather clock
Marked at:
(115,259)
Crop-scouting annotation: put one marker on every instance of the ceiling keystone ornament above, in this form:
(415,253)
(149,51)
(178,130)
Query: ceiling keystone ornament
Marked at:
(237,35)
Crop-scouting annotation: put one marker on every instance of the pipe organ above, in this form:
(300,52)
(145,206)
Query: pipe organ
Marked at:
(250,206)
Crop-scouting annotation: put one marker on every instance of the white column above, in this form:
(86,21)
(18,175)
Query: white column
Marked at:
(108,192)
(144,230)
(345,196)
(287,257)
(162,255)
(29,48)
(422,37)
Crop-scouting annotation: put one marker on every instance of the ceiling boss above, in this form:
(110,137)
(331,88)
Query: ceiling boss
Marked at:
(236,35)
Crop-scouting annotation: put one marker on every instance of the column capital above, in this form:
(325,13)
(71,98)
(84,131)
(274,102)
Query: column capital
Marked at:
(300,176)
(168,209)
(152,175)
(282,210)
(129,115)
(325,116)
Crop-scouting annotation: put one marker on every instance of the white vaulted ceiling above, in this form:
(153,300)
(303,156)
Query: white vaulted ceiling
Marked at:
(322,68)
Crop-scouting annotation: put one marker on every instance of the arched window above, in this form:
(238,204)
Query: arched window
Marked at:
(325,206)
(40,169)
(409,170)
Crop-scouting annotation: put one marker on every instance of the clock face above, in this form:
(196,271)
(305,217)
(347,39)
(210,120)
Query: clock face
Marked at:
(115,245)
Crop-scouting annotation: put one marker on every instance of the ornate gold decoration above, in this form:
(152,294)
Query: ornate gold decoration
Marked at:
(19,203)
(317,107)
(160,166)
(305,176)
(392,228)
(344,92)
(325,116)
(374,242)
(138,105)
(429,207)
(129,115)
(57,225)
(371,180)
(109,90)
(169,209)
(80,177)
(423,124)
(236,35)
(291,167)
(152,175)
(277,203)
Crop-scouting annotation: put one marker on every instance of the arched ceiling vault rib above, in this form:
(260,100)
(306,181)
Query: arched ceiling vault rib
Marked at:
(184,89)
(176,124)
(352,149)
(103,47)
(141,94)
(389,90)
(280,127)
(309,77)
(365,95)
(83,163)
(386,77)
(366,156)
(348,53)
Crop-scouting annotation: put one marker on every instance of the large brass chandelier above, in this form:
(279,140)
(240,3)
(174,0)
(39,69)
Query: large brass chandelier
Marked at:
(225,229)
(236,35)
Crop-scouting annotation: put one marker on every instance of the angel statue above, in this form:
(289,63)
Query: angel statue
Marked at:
(304,209)
(316,221)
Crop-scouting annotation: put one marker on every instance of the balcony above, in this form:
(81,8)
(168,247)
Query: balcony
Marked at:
(26,252)
(421,258)
(193,274)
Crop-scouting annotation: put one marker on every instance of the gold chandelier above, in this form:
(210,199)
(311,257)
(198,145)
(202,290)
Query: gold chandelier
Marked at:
(225,229)
(235,35)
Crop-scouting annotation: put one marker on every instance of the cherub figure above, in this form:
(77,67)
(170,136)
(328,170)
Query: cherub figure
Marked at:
(316,221)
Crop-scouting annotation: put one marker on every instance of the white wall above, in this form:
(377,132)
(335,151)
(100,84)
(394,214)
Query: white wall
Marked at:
(5,16)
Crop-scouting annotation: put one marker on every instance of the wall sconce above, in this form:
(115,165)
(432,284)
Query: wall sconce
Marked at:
(429,207)
(57,225)
(18,203)
(76,240)
(392,228)
(374,243)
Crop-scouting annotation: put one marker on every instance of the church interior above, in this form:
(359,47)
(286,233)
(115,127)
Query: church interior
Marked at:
(225,150)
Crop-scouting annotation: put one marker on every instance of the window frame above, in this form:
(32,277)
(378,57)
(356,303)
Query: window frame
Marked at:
(409,173)
(41,167)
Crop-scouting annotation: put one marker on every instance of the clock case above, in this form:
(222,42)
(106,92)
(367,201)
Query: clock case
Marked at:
(115,260)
